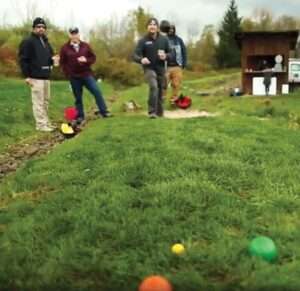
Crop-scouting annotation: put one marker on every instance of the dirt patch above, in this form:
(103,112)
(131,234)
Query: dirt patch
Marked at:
(179,114)
(16,154)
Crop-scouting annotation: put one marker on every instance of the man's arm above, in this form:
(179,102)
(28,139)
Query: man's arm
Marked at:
(138,52)
(184,53)
(90,57)
(138,55)
(25,50)
(63,61)
(170,54)
(51,53)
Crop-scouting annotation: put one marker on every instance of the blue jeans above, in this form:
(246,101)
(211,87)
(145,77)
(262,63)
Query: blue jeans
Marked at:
(90,83)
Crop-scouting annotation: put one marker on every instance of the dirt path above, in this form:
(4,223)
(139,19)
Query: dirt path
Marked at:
(27,149)
(15,155)
(179,114)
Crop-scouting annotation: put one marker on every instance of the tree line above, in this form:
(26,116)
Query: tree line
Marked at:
(114,42)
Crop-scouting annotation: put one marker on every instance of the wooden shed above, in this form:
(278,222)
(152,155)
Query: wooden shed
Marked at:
(261,47)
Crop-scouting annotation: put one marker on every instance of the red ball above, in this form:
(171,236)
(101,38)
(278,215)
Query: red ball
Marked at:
(155,283)
(184,102)
(71,113)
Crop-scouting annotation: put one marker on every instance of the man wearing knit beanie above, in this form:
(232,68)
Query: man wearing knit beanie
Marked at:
(36,60)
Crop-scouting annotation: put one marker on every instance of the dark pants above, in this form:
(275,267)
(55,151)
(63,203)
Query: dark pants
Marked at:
(90,83)
(155,82)
(267,80)
(267,87)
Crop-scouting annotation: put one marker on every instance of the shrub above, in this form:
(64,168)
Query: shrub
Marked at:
(119,70)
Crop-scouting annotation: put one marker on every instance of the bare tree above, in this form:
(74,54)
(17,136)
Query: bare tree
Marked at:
(264,19)
(4,19)
(115,36)
(25,10)
(193,30)
(286,22)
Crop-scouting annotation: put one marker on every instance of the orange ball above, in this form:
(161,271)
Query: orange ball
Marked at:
(155,283)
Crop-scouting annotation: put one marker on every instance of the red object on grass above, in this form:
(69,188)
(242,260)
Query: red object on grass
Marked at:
(183,102)
(71,113)
(155,283)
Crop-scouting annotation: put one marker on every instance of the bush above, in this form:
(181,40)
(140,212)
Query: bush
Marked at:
(8,63)
(4,35)
(57,74)
(119,70)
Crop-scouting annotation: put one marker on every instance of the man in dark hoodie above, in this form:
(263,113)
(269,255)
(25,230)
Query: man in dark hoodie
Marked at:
(177,63)
(76,59)
(36,60)
(151,52)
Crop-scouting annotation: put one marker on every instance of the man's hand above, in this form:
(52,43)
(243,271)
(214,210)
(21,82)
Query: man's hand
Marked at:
(56,59)
(82,59)
(145,61)
(29,82)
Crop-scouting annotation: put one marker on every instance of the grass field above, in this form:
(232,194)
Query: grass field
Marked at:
(101,211)
(16,119)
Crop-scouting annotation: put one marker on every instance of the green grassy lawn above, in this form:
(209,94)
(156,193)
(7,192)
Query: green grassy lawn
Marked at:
(102,210)
(16,119)
(281,110)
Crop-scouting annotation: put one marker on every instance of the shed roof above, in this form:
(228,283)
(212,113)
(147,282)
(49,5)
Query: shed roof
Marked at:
(291,34)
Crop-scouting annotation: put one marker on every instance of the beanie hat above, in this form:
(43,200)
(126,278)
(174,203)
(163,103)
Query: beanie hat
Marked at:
(74,30)
(38,21)
(164,26)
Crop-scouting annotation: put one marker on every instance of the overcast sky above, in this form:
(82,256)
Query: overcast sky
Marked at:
(187,14)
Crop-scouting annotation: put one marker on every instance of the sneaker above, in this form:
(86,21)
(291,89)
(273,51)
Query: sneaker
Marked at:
(45,129)
(152,116)
(106,114)
(52,126)
(79,121)
(173,100)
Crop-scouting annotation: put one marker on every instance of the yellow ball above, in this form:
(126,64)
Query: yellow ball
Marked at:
(178,249)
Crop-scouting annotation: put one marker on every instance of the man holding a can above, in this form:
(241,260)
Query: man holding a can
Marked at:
(151,52)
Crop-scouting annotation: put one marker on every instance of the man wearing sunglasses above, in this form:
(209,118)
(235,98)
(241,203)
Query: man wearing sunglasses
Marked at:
(36,60)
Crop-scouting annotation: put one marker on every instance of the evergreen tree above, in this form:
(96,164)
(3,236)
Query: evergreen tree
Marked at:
(228,52)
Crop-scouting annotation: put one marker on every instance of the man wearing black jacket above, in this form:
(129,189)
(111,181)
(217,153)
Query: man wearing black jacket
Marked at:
(36,59)
(152,51)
